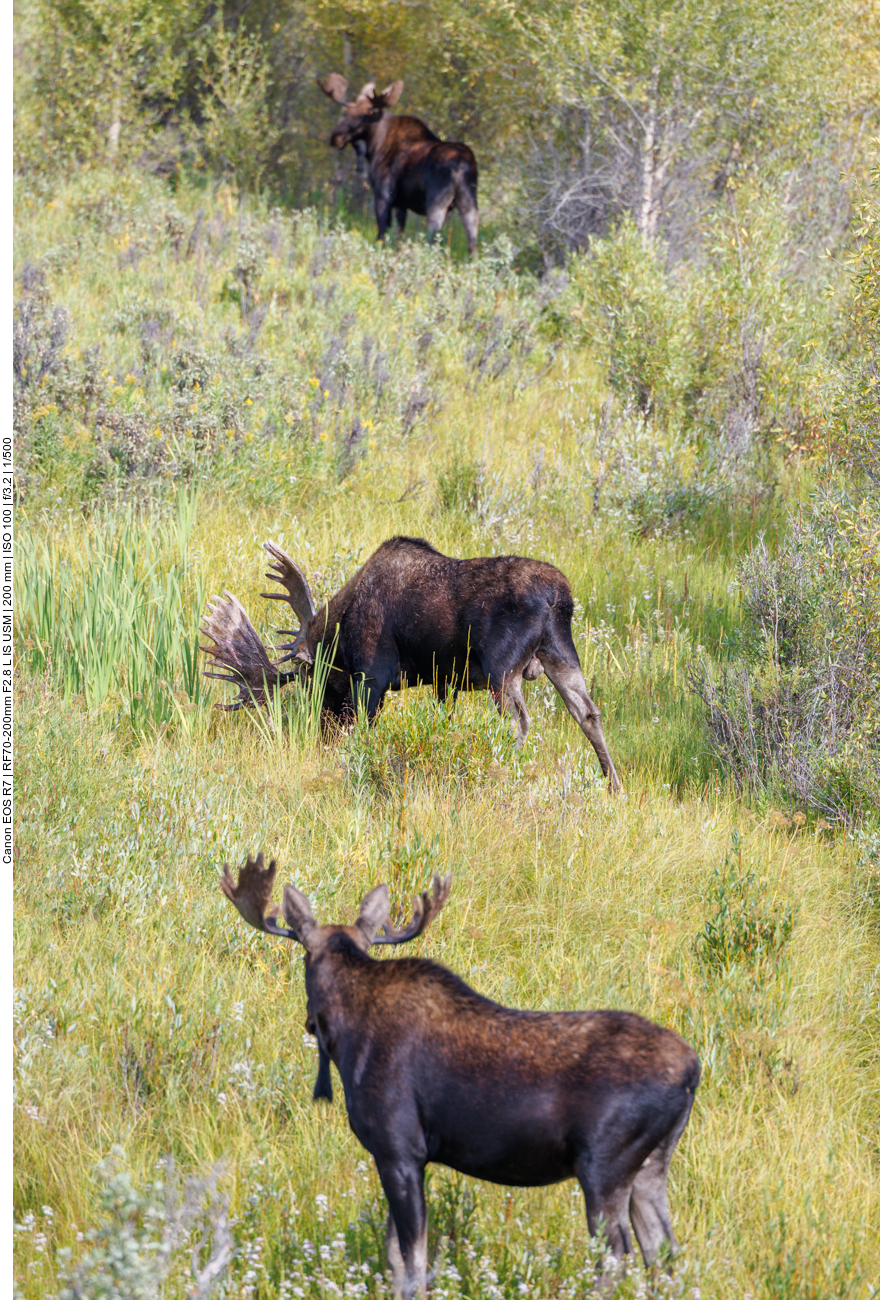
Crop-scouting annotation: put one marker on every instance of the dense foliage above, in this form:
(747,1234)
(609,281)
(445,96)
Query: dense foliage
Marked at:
(799,714)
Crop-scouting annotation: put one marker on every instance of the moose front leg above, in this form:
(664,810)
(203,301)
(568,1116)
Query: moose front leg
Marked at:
(324,1082)
(508,698)
(406,1235)
(383,214)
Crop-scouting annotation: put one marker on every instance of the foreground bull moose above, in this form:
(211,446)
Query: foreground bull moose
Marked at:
(433,1072)
(411,614)
(410,168)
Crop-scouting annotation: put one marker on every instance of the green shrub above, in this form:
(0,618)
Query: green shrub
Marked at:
(798,713)
(150,1242)
(424,738)
(742,929)
(710,350)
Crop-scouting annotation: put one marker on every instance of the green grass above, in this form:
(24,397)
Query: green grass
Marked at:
(148,1017)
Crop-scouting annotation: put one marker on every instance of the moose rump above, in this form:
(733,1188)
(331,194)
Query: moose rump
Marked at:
(431,179)
(412,614)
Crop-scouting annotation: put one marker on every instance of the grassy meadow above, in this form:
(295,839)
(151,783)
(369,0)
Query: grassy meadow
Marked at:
(195,378)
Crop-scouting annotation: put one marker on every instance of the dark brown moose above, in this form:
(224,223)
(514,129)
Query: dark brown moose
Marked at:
(434,1072)
(411,614)
(410,168)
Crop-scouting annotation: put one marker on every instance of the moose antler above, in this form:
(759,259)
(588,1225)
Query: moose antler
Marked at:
(252,893)
(334,85)
(296,593)
(238,649)
(426,906)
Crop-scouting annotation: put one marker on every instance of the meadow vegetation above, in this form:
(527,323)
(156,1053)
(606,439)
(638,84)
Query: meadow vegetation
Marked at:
(681,416)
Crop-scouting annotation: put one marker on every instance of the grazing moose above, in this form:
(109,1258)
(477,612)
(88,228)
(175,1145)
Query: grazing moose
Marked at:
(434,1072)
(410,168)
(411,614)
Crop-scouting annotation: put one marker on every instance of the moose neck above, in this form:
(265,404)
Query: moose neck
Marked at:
(323,624)
(338,993)
(376,133)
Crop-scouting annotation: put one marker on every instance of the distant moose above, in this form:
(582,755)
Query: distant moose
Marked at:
(434,1072)
(410,168)
(413,615)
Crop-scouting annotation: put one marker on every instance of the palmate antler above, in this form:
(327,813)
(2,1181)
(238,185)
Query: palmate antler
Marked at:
(252,893)
(239,651)
(425,909)
(296,593)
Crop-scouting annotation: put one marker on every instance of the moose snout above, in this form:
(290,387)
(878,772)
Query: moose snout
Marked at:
(338,140)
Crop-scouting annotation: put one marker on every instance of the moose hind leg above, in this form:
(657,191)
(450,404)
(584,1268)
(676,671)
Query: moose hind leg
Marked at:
(649,1205)
(649,1210)
(470,217)
(569,682)
(438,209)
(406,1234)
(607,1216)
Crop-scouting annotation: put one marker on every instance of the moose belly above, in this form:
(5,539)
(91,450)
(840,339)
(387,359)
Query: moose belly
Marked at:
(524,1144)
(446,667)
(410,192)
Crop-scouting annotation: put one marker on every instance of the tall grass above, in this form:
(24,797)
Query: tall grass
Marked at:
(113,617)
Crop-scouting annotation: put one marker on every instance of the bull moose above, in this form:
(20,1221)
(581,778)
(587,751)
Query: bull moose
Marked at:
(413,615)
(410,168)
(434,1072)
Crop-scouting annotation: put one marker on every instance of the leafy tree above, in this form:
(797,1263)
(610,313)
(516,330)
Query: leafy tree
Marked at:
(104,74)
(654,96)
(237,132)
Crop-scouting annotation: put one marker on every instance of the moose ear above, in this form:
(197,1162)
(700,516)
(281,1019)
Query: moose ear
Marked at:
(374,912)
(298,915)
(335,85)
(391,94)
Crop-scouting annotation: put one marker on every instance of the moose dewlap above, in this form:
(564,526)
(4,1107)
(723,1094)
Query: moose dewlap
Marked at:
(411,614)
(434,1072)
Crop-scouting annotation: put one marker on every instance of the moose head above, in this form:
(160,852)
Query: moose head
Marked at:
(359,114)
(251,896)
(253,890)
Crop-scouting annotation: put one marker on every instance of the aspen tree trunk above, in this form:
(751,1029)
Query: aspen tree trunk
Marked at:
(647,215)
(115,129)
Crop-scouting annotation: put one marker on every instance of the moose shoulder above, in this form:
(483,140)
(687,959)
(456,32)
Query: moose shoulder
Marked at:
(433,1072)
(411,613)
(410,168)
